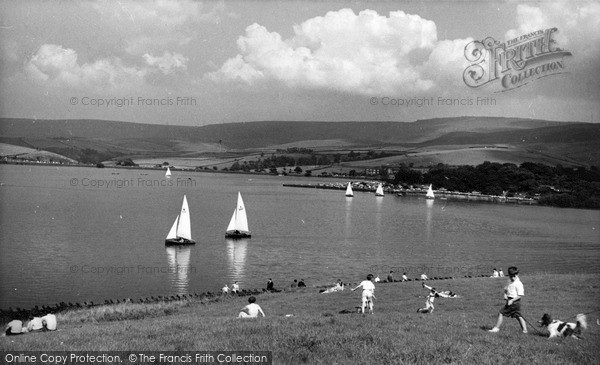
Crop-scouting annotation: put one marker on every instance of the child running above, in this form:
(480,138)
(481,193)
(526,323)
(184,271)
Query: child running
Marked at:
(430,298)
(368,293)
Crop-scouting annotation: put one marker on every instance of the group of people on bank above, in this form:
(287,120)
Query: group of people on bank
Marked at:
(35,324)
(513,293)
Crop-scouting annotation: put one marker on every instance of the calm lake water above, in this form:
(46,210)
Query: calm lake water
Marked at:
(65,238)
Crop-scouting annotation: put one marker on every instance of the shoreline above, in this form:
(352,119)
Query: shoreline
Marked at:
(62,307)
(440,195)
(453,195)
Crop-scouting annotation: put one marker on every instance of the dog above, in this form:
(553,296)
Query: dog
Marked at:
(564,329)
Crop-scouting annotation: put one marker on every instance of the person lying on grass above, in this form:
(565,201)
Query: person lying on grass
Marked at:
(368,293)
(339,286)
(251,310)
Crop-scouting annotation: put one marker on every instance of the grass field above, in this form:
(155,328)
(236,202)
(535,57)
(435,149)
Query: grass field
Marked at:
(317,333)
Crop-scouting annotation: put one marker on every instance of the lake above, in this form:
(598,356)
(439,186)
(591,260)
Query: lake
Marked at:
(78,234)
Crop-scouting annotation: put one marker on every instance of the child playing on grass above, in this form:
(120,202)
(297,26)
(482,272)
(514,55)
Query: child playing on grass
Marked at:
(368,293)
(512,294)
(251,310)
(430,298)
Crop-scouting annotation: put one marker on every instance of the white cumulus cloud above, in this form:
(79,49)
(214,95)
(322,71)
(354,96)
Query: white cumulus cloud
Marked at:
(58,66)
(362,53)
(168,62)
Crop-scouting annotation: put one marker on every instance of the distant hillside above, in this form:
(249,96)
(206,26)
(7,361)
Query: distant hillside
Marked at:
(112,138)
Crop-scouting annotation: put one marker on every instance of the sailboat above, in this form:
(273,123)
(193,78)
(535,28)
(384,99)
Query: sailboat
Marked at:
(379,191)
(168,173)
(181,232)
(349,192)
(429,194)
(238,225)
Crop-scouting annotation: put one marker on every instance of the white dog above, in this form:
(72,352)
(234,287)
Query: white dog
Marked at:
(563,329)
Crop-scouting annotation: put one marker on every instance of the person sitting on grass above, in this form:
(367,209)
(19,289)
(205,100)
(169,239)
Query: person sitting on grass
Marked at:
(251,310)
(430,298)
(271,286)
(35,324)
(14,327)
(368,293)
(513,293)
(49,322)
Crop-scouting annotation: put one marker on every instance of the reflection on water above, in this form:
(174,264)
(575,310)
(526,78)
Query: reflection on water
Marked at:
(236,250)
(428,219)
(179,267)
(348,217)
(378,217)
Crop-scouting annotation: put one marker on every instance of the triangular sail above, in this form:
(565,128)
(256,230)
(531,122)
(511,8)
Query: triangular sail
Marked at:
(168,173)
(173,232)
(184,229)
(349,190)
(239,219)
(430,192)
(379,191)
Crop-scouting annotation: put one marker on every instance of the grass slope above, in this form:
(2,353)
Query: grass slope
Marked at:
(456,332)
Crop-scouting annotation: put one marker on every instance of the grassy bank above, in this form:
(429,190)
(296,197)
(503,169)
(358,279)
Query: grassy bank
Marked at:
(456,332)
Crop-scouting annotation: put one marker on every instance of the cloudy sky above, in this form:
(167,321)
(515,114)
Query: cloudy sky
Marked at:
(204,62)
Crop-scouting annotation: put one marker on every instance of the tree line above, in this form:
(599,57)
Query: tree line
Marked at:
(573,187)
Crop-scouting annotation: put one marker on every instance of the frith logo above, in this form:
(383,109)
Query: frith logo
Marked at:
(515,62)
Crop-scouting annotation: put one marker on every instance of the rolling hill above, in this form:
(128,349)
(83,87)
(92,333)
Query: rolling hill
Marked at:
(553,142)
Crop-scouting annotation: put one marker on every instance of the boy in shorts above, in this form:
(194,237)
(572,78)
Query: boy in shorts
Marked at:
(368,293)
(513,293)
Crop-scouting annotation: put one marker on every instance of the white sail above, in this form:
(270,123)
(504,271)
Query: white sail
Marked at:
(184,228)
(173,232)
(349,190)
(168,173)
(379,191)
(239,219)
(430,193)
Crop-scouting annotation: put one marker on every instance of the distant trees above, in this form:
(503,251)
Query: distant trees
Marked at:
(575,187)
(126,162)
(307,158)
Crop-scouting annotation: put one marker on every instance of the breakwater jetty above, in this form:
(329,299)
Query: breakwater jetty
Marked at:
(370,187)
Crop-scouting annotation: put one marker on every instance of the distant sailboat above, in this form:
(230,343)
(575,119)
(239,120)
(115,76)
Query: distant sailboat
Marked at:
(238,225)
(181,232)
(349,192)
(379,191)
(168,173)
(429,194)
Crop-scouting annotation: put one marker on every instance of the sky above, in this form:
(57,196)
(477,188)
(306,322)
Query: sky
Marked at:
(207,62)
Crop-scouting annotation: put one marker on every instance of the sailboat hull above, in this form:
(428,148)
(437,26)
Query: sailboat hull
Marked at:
(237,234)
(178,241)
